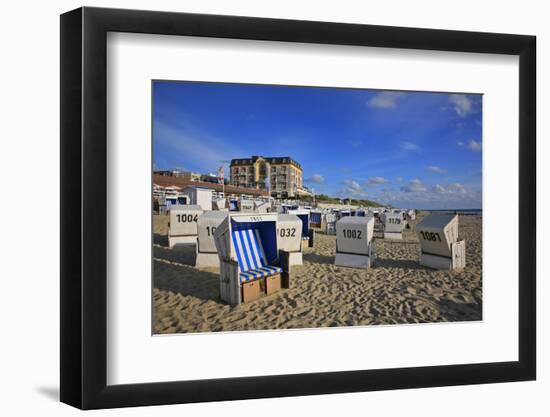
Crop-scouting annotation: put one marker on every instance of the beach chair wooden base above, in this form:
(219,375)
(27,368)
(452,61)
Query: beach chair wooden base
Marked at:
(456,262)
(174,241)
(273,284)
(234,293)
(353,261)
(395,236)
(252,290)
(207,260)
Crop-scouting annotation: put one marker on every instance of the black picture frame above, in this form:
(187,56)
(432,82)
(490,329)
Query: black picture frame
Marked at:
(84,207)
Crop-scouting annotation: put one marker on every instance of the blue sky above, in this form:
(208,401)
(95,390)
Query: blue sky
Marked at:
(408,149)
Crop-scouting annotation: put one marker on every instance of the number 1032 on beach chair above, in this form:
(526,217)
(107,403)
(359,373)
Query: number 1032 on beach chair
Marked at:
(251,266)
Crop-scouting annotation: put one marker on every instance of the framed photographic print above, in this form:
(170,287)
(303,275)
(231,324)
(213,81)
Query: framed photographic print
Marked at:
(258,207)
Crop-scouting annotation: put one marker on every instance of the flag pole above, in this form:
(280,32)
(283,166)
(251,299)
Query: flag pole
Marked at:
(223,175)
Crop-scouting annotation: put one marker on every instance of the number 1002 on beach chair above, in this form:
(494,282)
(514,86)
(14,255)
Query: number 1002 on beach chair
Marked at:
(251,265)
(354,246)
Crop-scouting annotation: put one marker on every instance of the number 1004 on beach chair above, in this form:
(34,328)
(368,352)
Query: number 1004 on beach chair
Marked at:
(251,265)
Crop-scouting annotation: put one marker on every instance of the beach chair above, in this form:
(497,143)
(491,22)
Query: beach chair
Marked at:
(354,244)
(289,237)
(182,226)
(393,225)
(440,247)
(262,207)
(207,254)
(234,205)
(219,204)
(316,219)
(246,206)
(251,265)
(308,233)
(411,214)
(330,222)
(345,213)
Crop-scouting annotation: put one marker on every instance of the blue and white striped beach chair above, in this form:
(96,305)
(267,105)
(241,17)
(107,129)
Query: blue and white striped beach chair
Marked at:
(251,265)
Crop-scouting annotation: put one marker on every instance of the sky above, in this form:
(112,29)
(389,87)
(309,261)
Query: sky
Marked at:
(405,149)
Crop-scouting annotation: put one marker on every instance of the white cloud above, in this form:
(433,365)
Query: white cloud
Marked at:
(439,189)
(316,178)
(352,189)
(435,169)
(418,195)
(455,189)
(414,186)
(385,100)
(399,179)
(355,143)
(409,146)
(376,181)
(352,185)
(472,145)
(462,104)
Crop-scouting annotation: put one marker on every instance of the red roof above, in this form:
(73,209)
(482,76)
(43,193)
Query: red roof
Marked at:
(166,180)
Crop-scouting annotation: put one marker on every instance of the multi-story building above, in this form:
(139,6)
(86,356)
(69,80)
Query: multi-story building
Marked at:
(284,173)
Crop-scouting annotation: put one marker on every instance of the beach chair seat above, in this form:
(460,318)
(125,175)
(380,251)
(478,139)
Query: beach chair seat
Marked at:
(259,273)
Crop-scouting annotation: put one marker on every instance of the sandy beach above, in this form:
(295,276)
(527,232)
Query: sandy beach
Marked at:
(396,290)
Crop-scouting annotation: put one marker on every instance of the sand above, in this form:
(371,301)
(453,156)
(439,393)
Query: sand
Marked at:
(396,290)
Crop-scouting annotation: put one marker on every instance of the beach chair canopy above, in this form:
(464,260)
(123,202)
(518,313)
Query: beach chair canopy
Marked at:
(315,218)
(234,205)
(255,249)
(304,217)
(436,233)
(289,232)
(331,217)
(219,203)
(246,206)
(393,222)
(207,224)
(261,206)
(183,219)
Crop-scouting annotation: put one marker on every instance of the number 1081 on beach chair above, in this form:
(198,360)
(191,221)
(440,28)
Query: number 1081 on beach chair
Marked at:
(251,265)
